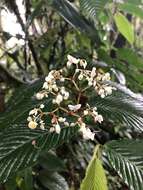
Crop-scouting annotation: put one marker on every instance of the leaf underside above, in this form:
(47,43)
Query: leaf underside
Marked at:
(126,157)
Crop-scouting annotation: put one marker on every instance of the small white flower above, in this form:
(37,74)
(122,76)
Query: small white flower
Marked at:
(85,112)
(39,96)
(42,126)
(99,77)
(57,128)
(101,92)
(50,76)
(73,124)
(59,99)
(94,111)
(77,70)
(29,119)
(55,88)
(94,108)
(87,133)
(62,79)
(106,77)
(108,90)
(66,95)
(47,78)
(45,86)
(98,118)
(42,106)
(80,77)
(90,82)
(94,83)
(54,101)
(93,72)
(61,119)
(32,125)
(72,59)
(62,90)
(33,112)
(83,63)
(52,129)
(74,107)
(102,95)
(66,124)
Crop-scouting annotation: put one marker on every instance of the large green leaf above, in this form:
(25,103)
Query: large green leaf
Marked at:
(95,178)
(126,157)
(122,107)
(124,27)
(17,151)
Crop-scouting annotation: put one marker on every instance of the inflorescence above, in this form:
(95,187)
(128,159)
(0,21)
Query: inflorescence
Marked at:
(69,88)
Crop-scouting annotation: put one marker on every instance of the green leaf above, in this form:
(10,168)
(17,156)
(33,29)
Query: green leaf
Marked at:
(95,178)
(53,181)
(121,107)
(132,9)
(126,157)
(17,151)
(124,27)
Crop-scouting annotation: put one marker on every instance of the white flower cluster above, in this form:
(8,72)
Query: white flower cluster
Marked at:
(86,132)
(66,86)
(96,80)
